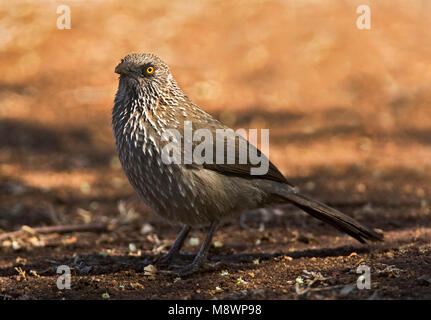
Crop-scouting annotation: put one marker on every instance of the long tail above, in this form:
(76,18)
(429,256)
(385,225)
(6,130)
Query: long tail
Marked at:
(332,216)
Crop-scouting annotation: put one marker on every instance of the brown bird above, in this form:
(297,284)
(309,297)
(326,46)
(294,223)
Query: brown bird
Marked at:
(148,104)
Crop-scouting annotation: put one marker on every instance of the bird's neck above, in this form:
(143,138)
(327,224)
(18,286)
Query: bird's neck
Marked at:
(138,115)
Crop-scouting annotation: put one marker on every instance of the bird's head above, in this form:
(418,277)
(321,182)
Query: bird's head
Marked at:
(144,72)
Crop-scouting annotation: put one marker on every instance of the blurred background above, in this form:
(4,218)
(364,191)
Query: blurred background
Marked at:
(348,109)
(349,113)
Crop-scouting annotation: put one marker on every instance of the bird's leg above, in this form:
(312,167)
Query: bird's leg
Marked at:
(174,251)
(202,255)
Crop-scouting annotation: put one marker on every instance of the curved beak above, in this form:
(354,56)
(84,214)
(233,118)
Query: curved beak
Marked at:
(121,68)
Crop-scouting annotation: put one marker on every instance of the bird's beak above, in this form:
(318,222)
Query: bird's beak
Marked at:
(121,68)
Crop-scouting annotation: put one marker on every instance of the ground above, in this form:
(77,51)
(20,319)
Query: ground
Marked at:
(349,120)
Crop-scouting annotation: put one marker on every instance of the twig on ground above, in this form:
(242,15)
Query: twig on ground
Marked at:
(94,227)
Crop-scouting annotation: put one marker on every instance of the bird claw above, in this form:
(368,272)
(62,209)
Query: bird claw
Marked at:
(166,260)
(191,268)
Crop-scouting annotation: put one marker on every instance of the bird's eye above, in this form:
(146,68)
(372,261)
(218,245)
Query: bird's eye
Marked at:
(150,70)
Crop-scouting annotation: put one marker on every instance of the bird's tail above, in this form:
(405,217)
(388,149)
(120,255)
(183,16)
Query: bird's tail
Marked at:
(331,216)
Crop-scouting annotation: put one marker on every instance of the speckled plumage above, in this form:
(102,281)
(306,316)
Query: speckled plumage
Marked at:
(188,194)
(193,194)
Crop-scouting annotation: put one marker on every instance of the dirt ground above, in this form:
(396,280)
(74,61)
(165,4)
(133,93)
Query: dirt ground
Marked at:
(350,124)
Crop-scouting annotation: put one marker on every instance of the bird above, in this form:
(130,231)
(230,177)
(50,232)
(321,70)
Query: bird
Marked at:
(148,104)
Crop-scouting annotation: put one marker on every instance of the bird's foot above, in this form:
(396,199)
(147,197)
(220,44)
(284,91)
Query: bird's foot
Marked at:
(192,268)
(184,271)
(167,259)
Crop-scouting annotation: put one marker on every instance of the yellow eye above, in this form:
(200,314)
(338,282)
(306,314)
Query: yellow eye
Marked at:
(150,70)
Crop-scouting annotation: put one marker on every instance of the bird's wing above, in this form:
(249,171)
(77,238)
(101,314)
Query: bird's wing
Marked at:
(241,166)
(242,146)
